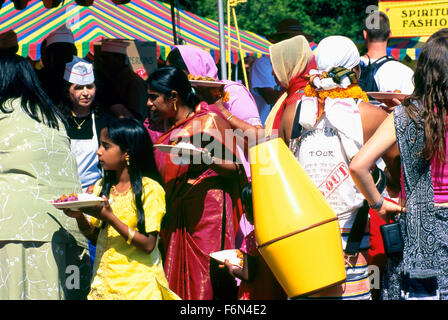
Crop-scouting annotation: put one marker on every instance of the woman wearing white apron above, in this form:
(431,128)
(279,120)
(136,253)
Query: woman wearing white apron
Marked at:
(82,120)
(83,123)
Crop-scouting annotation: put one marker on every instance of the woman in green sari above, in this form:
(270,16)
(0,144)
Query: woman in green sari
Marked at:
(43,255)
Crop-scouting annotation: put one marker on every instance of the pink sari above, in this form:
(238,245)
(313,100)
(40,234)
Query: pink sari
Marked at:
(196,198)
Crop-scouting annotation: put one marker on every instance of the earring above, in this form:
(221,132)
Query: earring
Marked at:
(127,160)
(175,106)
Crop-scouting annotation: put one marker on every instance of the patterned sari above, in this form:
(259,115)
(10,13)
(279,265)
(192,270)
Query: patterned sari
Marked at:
(196,198)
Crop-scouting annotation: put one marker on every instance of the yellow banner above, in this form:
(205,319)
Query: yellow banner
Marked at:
(415,18)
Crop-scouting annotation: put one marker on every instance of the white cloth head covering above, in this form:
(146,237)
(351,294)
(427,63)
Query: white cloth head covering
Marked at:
(332,52)
(79,72)
(336,51)
(61,34)
(8,39)
(115,46)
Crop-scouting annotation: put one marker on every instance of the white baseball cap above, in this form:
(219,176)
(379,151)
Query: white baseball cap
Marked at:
(61,34)
(79,72)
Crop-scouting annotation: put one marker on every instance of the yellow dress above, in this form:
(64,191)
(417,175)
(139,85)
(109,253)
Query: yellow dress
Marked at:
(122,271)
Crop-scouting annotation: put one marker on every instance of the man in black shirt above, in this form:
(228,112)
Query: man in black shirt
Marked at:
(8,42)
(56,50)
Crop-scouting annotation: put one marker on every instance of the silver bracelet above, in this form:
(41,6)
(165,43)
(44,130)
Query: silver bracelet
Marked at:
(377,205)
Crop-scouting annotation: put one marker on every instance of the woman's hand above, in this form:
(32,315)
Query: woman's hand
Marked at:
(72,213)
(389,210)
(390,104)
(221,106)
(102,211)
(227,265)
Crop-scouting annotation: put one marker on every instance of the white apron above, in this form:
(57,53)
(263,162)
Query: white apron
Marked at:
(86,158)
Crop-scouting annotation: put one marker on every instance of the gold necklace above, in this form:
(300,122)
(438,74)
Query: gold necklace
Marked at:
(120,193)
(79,125)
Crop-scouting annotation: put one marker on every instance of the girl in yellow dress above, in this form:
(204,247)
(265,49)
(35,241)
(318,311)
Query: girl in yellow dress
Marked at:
(125,228)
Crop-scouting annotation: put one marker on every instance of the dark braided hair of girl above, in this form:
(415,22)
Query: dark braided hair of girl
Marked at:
(132,137)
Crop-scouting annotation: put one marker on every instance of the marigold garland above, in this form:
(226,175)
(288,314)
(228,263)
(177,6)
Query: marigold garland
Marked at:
(353,91)
(226,97)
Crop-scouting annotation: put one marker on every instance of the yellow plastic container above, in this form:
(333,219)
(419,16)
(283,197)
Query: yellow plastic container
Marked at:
(297,232)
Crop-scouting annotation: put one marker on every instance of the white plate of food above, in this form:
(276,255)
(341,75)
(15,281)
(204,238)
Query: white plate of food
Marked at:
(234,256)
(387,95)
(76,201)
(206,83)
(180,149)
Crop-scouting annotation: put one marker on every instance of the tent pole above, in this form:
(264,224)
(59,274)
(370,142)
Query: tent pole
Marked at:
(179,28)
(222,44)
(173,21)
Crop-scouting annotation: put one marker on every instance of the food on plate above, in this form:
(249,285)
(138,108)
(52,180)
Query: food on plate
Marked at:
(64,198)
(77,201)
(240,255)
(397,91)
(233,256)
(200,78)
(186,145)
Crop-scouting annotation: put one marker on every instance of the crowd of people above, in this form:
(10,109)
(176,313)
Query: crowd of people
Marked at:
(69,126)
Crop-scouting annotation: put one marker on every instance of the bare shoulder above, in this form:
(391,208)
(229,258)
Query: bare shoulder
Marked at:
(287,122)
(366,107)
(290,110)
(371,112)
(371,118)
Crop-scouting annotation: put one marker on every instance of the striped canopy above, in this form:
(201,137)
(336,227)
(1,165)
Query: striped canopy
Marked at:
(399,48)
(143,20)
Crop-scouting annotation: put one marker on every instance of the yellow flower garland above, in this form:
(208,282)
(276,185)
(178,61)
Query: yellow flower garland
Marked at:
(226,97)
(353,91)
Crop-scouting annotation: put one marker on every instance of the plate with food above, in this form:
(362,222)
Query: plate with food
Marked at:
(76,201)
(206,83)
(235,256)
(180,149)
(388,95)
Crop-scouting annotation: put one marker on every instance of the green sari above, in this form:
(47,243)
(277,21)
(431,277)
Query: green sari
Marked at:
(43,255)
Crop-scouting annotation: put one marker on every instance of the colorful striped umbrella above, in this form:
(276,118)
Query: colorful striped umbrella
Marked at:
(143,20)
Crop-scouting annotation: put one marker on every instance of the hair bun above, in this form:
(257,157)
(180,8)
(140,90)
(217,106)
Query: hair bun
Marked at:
(192,99)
